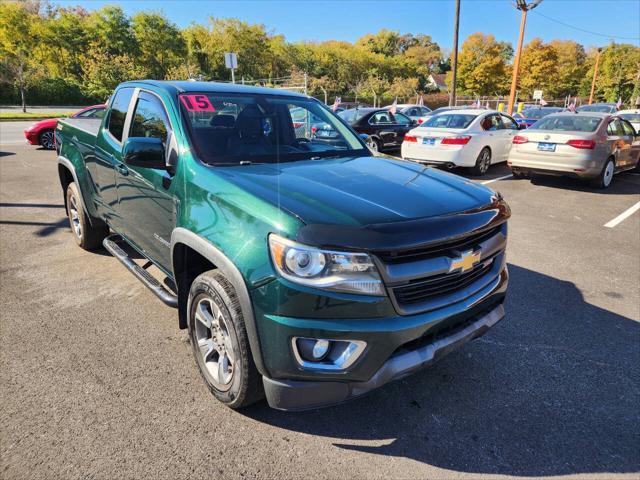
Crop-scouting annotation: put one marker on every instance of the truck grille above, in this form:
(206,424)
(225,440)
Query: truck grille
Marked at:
(437,249)
(439,284)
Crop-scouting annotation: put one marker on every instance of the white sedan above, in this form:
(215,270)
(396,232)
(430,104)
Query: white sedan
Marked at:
(632,116)
(473,138)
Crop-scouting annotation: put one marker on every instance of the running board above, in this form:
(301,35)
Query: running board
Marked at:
(148,280)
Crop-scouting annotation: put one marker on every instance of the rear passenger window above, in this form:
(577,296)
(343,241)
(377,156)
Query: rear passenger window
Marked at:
(149,119)
(509,124)
(628,128)
(614,128)
(119,112)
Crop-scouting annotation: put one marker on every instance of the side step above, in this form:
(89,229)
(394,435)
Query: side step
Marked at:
(149,281)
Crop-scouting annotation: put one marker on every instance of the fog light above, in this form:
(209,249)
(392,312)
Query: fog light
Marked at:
(321,354)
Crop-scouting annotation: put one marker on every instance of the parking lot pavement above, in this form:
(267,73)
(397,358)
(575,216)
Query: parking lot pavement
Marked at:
(98,382)
(12,133)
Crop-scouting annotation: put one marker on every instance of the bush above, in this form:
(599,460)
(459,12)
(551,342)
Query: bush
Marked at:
(49,91)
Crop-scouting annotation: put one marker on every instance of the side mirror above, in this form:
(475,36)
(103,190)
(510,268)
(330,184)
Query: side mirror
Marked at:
(144,152)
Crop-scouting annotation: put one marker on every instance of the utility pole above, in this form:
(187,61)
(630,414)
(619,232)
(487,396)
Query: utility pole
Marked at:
(595,76)
(454,67)
(524,8)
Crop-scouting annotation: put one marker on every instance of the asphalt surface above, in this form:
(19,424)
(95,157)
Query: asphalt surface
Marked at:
(99,382)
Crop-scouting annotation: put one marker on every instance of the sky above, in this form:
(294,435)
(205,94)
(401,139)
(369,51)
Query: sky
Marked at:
(595,22)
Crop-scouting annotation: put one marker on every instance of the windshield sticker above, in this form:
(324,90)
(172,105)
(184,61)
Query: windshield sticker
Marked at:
(197,103)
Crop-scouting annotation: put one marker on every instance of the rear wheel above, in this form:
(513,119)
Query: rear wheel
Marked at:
(219,341)
(482,162)
(606,175)
(86,235)
(373,144)
(47,140)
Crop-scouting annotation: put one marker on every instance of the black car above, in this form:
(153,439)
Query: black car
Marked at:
(386,130)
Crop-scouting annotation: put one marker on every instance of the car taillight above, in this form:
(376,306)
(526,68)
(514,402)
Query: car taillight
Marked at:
(420,121)
(410,138)
(584,144)
(459,140)
(518,139)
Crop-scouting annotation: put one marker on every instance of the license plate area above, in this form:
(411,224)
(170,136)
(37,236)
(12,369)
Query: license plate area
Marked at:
(546,147)
(428,141)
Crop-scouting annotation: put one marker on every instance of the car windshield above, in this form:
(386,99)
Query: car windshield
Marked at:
(230,129)
(449,120)
(569,123)
(596,108)
(352,115)
(538,113)
(632,117)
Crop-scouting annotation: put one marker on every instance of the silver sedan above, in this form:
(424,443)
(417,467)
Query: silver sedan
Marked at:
(587,145)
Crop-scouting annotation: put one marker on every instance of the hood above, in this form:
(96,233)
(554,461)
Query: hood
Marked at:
(359,191)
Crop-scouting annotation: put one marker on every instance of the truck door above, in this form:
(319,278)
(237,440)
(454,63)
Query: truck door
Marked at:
(146,202)
(108,156)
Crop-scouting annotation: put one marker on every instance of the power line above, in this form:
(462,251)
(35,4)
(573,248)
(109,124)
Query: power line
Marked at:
(584,30)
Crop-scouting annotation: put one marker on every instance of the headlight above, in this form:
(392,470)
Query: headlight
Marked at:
(325,269)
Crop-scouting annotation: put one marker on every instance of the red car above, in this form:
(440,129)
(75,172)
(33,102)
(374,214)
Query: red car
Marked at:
(41,133)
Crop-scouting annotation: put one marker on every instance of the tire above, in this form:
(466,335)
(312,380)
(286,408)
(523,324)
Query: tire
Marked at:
(605,178)
(87,236)
(219,341)
(47,139)
(483,162)
(374,144)
(519,174)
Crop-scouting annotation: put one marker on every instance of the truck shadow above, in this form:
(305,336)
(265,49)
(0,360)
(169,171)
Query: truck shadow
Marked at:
(551,390)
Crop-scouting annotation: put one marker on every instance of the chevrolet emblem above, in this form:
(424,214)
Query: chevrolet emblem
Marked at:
(465,262)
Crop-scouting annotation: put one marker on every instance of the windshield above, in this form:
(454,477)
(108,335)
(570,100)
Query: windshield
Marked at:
(596,108)
(569,123)
(632,117)
(449,120)
(538,113)
(227,129)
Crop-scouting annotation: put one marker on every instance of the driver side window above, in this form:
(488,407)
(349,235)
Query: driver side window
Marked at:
(402,120)
(509,123)
(149,118)
(381,118)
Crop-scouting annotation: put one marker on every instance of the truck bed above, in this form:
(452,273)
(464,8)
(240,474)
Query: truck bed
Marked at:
(85,129)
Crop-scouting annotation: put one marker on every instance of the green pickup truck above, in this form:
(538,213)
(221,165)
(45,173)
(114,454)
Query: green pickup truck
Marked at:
(305,269)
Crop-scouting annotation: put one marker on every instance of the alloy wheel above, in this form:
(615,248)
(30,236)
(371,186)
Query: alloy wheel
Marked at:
(214,344)
(75,217)
(47,140)
(608,174)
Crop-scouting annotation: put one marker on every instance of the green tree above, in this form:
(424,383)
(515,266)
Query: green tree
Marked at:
(160,43)
(572,67)
(618,73)
(482,65)
(110,32)
(538,69)
(20,29)
(104,72)
(403,88)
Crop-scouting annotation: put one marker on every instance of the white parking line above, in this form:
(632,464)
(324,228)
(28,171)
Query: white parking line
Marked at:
(620,218)
(496,179)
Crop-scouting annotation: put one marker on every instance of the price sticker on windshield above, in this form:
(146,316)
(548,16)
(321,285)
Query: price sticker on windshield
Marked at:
(197,103)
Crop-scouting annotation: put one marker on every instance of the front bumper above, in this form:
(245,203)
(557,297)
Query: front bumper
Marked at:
(32,137)
(295,395)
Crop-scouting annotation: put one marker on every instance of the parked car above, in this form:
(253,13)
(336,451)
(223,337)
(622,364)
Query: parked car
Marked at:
(441,110)
(587,145)
(598,107)
(471,138)
(305,271)
(385,129)
(631,116)
(531,115)
(414,112)
(42,132)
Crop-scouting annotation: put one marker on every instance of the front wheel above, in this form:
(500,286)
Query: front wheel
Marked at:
(482,162)
(219,341)
(606,175)
(47,140)
(86,235)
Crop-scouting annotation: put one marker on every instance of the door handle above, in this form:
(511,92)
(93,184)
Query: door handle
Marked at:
(122,168)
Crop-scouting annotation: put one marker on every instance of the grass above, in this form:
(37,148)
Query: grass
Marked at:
(32,116)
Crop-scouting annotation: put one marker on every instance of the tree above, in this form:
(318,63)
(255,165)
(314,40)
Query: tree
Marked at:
(385,42)
(19,30)
(482,65)
(618,74)
(403,88)
(104,72)
(160,43)
(110,32)
(572,67)
(538,69)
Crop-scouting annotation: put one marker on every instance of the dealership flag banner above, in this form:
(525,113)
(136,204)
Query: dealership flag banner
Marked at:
(336,103)
(393,106)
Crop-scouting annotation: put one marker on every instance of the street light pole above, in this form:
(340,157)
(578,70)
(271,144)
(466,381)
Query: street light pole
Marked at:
(454,79)
(524,8)
(595,76)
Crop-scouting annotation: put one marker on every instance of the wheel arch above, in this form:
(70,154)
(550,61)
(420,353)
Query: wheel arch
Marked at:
(67,174)
(191,255)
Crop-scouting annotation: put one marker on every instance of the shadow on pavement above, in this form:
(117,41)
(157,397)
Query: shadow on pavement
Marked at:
(620,185)
(552,390)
